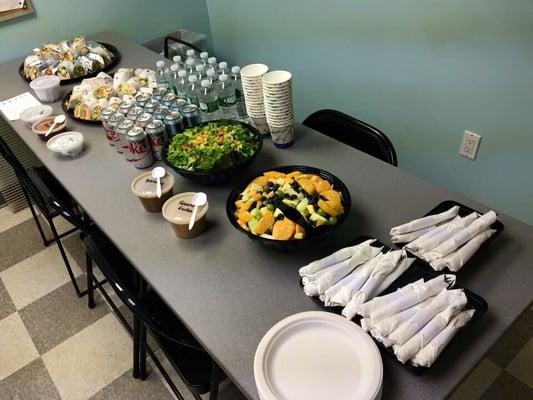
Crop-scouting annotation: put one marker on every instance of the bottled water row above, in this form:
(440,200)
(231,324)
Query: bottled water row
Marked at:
(212,86)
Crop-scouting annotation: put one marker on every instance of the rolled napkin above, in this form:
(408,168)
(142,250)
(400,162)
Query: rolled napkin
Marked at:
(427,356)
(414,324)
(446,232)
(319,282)
(405,352)
(379,273)
(455,261)
(414,246)
(340,255)
(414,296)
(424,222)
(479,225)
(403,266)
(409,237)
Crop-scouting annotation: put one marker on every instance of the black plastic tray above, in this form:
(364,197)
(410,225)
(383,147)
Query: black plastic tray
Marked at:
(114,61)
(419,269)
(463,212)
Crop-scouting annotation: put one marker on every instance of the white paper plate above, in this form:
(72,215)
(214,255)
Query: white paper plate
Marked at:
(316,356)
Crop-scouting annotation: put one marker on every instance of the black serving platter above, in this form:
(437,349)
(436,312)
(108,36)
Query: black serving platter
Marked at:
(221,175)
(114,62)
(419,269)
(317,234)
(463,212)
(70,112)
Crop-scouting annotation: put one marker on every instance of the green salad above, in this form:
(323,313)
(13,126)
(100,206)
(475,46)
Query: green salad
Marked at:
(214,146)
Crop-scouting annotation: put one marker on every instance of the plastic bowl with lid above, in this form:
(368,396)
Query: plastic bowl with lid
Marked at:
(47,88)
(68,144)
(178,212)
(33,114)
(144,187)
(41,126)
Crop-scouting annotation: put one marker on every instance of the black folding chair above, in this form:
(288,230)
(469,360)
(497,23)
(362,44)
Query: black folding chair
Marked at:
(195,367)
(353,132)
(42,189)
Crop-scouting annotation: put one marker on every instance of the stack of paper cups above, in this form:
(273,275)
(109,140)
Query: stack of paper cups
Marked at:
(277,98)
(252,76)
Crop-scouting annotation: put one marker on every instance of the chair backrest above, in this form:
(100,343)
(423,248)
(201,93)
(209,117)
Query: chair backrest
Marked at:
(353,132)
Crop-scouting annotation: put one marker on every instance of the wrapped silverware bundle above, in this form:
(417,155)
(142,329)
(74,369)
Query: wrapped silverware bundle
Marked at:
(445,240)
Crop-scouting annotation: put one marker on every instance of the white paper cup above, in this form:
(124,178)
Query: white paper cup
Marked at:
(47,88)
(253,70)
(282,137)
(261,124)
(276,77)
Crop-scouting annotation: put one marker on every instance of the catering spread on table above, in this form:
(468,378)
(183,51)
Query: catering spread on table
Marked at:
(398,295)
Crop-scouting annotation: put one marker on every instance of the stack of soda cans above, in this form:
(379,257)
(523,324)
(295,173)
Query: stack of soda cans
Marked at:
(139,128)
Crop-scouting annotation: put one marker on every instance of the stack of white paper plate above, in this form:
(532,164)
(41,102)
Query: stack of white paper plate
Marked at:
(318,355)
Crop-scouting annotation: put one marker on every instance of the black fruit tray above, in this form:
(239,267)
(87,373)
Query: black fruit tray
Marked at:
(419,269)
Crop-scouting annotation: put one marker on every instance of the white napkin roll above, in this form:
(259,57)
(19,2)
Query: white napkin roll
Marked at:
(405,352)
(447,232)
(414,246)
(379,272)
(410,327)
(409,237)
(415,296)
(455,261)
(424,222)
(479,225)
(385,326)
(338,256)
(403,266)
(427,356)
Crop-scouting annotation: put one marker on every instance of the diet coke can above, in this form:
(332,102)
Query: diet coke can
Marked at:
(112,124)
(191,115)
(157,136)
(150,106)
(139,148)
(158,93)
(122,129)
(160,112)
(134,112)
(167,99)
(178,104)
(143,120)
(125,107)
(104,117)
(174,124)
(142,99)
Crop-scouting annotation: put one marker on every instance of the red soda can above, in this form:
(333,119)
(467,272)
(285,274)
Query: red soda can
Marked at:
(139,148)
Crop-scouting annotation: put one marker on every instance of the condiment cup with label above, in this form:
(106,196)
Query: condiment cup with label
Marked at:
(145,188)
(178,212)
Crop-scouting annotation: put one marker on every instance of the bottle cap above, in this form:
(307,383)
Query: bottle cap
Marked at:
(223,65)
(190,52)
(182,73)
(199,67)
(236,69)
(205,83)
(223,78)
(210,72)
(204,55)
(176,59)
(212,60)
(190,62)
(174,67)
(160,64)
(193,78)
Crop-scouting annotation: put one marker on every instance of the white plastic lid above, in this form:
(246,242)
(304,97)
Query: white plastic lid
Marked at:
(212,60)
(174,67)
(45,82)
(182,73)
(210,72)
(206,83)
(160,64)
(223,65)
(199,67)
(190,62)
(193,78)
(190,52)
(176,59)
(236,69)
(223,78)
(204,55)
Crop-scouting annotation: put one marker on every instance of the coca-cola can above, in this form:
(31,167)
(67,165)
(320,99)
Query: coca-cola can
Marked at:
(177,105)
(134,112)
(191,115)
(143,120)
(112,125)
(122,129)
(167,99)
(157,136)
(139,148)
(142,99)
(150,106)
(104,117)
(174,123)
(125,107)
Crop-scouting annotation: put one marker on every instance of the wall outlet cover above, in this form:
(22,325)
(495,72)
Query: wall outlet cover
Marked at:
(470,145)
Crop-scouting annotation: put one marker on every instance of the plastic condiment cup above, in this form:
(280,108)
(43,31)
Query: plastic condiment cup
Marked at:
(42,125)
(47,88)
(33,114)
(67,144)
(144,187)
(178,211)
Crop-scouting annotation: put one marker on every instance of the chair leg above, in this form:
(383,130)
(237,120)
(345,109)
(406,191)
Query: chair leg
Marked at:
(215,380)
(46,242)
(142,334)
(136,347)
(90,286)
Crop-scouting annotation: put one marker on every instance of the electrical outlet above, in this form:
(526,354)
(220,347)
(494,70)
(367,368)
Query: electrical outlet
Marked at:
(470,145)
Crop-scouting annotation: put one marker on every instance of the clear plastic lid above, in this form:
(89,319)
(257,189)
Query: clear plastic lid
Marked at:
(205,83)
(160,64)
(236,69)
(193,78)
(223,78)
(174,67)
(223,65)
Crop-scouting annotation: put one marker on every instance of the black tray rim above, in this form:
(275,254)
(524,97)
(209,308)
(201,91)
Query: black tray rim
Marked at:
(70,112)
(117,57)
(291,244)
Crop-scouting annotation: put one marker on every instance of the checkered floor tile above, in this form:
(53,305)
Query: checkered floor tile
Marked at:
(53,347)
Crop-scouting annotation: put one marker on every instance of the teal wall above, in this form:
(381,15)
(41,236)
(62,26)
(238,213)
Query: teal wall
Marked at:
(422,71)
(138,19)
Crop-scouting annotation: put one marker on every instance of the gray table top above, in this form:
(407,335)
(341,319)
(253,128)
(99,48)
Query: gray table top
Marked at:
(229,290)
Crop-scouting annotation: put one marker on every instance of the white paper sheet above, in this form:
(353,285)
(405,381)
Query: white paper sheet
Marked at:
(11,108)
(8,5)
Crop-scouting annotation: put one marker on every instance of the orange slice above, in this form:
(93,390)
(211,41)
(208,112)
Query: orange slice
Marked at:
(283,229)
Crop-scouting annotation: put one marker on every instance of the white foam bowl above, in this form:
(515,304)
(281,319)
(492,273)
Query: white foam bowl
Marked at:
(47,88)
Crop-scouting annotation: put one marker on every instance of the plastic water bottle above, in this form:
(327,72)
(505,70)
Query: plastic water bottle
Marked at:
(226,97)
(208,101)
(200,72)
(192,89)
(239,94)
(204,56)
(177,60)
(212,61)
(211,76)
(160,75)
(190,66)
(191,55)
(223,68)
(173,77)
(182,84)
